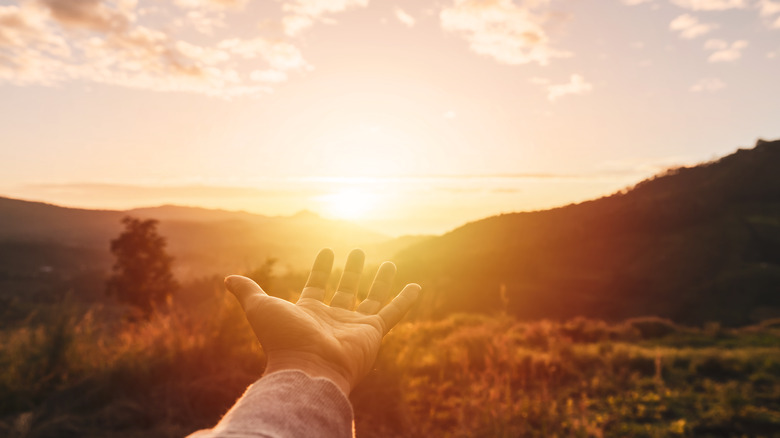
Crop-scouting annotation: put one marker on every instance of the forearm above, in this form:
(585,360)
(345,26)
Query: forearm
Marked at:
(287,404)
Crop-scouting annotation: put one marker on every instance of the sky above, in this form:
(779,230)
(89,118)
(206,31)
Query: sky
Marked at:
(405,116)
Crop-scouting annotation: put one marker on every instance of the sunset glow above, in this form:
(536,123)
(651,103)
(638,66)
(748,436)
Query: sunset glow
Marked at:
(389,218)
(350,204)
(455,110)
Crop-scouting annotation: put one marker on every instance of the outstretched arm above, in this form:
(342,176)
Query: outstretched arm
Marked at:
(311,346)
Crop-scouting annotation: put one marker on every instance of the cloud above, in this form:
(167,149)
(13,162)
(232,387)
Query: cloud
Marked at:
(708,85)
(302,14)
(209,4)
(576,85)
(20,26)
(501,29)
(768,8)
(280,55)
(404,18)
(314,8)
(690,27)
(710,5)
(635,2)
(295,24)
(149,59)
(55,41)
(29,48)
(204,22)
(88,14)
(123,196)
(273,76)
(723,51)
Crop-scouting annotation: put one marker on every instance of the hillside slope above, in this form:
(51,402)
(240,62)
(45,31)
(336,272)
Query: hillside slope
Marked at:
(37,237)
(694,244)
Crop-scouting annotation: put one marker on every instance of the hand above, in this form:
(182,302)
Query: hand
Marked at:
(333,341)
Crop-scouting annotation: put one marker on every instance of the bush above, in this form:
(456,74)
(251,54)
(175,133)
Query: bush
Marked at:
(651,327)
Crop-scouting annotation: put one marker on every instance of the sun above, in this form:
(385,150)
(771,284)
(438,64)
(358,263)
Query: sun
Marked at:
(348,203)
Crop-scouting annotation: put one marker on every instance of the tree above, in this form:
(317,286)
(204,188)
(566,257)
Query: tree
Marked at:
(142,273)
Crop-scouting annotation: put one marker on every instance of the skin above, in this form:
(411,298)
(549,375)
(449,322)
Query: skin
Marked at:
(339,341)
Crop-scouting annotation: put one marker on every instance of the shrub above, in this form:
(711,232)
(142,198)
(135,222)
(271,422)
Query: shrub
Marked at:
(652,327)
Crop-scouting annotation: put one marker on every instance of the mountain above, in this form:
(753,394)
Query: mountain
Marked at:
(694,244)
(38,238)
(25,221)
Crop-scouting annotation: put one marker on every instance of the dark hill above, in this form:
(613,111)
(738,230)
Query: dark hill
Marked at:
(42,239)
(694,244)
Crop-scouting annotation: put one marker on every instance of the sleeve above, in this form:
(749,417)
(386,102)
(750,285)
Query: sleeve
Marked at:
(287,404)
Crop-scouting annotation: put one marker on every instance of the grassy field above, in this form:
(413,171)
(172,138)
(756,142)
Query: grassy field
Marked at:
(69,371)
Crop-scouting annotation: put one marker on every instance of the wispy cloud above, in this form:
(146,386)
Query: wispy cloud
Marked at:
(710,5)
(708,85)
(143,192)
(635,2)
(723,51)
(203,21)
(768,9)
(209,4)
(576,85)
(302,14)
(689,26)
(504,30)
(272,76)
(404,17)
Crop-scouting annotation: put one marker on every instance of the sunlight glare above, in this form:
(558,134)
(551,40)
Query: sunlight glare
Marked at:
(349,203)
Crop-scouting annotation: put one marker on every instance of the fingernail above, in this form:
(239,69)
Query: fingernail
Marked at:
(414,290)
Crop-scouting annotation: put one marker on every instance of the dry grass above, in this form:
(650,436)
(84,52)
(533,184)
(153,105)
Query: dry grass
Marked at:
(96,374)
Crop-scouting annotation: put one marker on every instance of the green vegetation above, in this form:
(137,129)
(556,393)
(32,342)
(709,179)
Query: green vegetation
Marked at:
(496,377)
(70,372)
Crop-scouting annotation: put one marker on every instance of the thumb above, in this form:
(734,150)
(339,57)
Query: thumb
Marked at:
(243,288)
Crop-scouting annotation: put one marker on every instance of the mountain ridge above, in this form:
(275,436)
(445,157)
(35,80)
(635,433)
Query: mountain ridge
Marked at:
(694,244)
(202,240)
(657,248)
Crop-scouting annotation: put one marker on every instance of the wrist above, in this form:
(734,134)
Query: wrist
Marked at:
(311,365)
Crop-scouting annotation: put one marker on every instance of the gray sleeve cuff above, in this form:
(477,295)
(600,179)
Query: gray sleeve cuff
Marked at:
(287,404)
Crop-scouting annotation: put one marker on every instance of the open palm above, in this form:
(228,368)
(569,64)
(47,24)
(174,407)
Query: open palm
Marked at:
(339,341)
